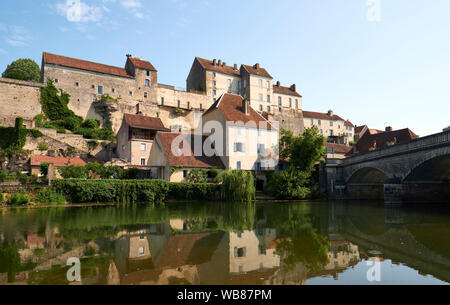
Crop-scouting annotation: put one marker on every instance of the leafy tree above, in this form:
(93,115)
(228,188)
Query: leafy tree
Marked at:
(23,69)
(197,176)
(238,186)
(290,184)
(303,151)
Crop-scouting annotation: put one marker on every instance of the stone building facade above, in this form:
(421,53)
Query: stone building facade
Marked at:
(333,127)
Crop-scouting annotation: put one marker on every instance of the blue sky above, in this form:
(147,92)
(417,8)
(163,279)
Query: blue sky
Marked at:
(394,71)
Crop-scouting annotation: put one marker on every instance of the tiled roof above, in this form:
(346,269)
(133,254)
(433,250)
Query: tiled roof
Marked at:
(348,123)
(339,148)
(257,71)
(208,65)
(230,105)
(143,64)
(358,129)
(382,139)
(190,160)
(145,122)
(321,116)
(69,62)
(284,90)
(37,160)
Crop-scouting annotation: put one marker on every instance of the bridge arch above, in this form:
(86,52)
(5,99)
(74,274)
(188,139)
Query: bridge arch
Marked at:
(368,174)
(435,164)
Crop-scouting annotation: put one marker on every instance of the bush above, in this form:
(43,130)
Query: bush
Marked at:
(1,198)
(72,122)
(73,172)
(197,176)
(2,175)
(50,196)
(18,199)
(193,191)
(23,178)
(35,133)
(43,146)
(290,185)
(91,123)
(238,186)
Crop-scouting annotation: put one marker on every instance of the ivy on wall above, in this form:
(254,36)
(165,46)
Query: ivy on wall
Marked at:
(13,139)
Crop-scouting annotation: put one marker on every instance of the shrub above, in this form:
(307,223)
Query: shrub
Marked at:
(23,178)
(290,185)
(50,196)
(90,123)
(72,122)
(73,172)
(18,199)
(2,175)
(1,198)
(43,146)
(193,191)
(35,133)
(237,186)
(197,176)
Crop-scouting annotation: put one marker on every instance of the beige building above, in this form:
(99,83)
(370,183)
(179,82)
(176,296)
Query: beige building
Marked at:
(331,126)
(174,155)
(244,138)
(135,138)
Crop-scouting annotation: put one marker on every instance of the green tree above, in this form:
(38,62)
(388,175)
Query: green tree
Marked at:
(23,69)
(237,186)
(197,176)
(290,184)
(303,151)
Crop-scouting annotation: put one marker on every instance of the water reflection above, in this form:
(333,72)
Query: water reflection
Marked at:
(199,243)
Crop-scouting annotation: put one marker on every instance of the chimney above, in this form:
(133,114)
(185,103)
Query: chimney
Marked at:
(129,56)
(330,112)
(235,66)
(278,84)
(388,129)
(224,64)
(256,66)
(220,62)
(246,106)
(214,62)
(294,88)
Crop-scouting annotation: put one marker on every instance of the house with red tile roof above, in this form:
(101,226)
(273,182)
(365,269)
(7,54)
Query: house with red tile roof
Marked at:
(174,155)
(244,138)
(37,160)
(136,137)
(337,151)
(371,141)
(332,126)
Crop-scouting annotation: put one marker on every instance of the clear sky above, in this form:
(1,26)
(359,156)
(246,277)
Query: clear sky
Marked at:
(384,63)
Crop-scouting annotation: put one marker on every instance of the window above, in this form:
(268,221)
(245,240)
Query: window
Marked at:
(188,105)
(214,92)
(145,95)
(77,84)
(141,251)
(143,163)
(245,83)
(331,133)
(261,251)
(239,147)
(268,84)
(261,83)
(229,83)
(321,131)
(147,72)
(238,165)
(319,122)
(93,86)
(214,83)
(290,103)
(240,252)
(261,97)
(178,104)
(261,148)
(143,146)
(260,107)
(147,83)
(280,101)
(214,74)
(162,100)
(331,123)
(296,104)
(201,106)
(130,93)
(268,98)
(268,108)
(257,166)
(312,122)
(100,90)
(113,90)
(185,174)
(239,84)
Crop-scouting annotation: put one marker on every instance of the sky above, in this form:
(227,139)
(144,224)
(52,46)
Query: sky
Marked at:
(375,62)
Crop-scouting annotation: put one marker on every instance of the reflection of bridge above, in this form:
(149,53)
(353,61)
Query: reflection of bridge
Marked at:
(414,239)
(415,171)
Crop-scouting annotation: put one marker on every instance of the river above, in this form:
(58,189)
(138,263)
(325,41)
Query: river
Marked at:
(231,244)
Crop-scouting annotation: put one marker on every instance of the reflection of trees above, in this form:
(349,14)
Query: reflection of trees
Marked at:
(301,243)
(10,261)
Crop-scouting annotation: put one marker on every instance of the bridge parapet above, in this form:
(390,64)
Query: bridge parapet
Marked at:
(416,144)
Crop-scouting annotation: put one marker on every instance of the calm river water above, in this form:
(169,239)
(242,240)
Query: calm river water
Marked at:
(207,243)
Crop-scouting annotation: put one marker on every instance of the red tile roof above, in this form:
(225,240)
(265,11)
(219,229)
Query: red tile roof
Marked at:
(190,161)
(208,65)
(359,129)
(69,62)
(257,71)
(321,116)
(144,122)
(284,90)
(383,139)
(36,160)
(348,123)
(339,148)
(143,64)
(230,105)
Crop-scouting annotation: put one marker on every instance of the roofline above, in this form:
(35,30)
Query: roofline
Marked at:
(245,67)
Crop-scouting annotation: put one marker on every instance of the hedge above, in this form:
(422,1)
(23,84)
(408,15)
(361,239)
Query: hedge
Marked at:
(131,191)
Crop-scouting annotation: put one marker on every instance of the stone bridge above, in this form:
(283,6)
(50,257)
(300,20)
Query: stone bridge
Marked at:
(415,171)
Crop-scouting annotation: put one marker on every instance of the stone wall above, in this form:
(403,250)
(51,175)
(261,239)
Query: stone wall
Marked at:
(289,119)
(18,98)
